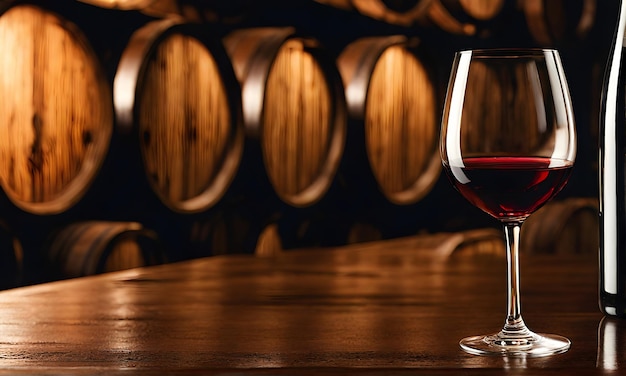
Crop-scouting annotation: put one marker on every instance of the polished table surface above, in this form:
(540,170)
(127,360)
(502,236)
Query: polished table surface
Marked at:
(390,307)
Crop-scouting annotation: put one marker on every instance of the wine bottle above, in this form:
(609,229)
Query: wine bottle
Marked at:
(612,179)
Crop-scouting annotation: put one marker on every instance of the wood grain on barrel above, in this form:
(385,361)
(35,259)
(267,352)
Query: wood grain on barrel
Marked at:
(297,119)
(401,125)
(184,119)
(293,110)
(56,111)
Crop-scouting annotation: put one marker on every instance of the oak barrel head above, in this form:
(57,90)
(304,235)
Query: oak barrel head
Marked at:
(56,111)
(294,109)
(185,112)
(391,94)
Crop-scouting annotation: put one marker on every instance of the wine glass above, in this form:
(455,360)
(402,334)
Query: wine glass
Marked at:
(508,144)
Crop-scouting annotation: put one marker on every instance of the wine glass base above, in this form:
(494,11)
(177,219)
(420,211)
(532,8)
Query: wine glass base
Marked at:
(531,345)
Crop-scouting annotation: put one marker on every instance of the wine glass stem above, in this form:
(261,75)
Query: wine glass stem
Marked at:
(514,324)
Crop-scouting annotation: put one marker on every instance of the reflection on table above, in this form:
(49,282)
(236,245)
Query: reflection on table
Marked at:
(396,306)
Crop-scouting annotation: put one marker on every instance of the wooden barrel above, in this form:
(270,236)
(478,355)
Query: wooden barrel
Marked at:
(391,160)
(462,17)
(94,247)
(175,92)
(399,12)
(393,101)
(139,123)
(479,18)
(154,7)
(553,22)
(466,17)
(393,134)
(56,110)
(293,108)
(147,114)
(178,104)
(563,226)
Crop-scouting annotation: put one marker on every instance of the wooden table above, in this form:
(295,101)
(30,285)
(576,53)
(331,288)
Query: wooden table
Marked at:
(396,307)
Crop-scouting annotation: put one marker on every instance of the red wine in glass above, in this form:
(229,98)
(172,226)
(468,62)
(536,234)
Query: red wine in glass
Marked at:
(509,187)
(508,144)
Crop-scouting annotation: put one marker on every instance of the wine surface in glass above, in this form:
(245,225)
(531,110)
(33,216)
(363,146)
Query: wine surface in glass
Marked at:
(509,187)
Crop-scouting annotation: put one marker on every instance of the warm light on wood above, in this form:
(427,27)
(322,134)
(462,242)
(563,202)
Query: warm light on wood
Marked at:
(438,13)
(151,7)
(394,307)
(482,9)
(184,119)
(377,9)
(269,243)
(401,126)
(55,114)
(93,247)
(297,120)
(120,4)
(293,108)
(125,254)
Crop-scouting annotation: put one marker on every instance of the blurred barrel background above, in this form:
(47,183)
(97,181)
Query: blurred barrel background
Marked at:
(138,132)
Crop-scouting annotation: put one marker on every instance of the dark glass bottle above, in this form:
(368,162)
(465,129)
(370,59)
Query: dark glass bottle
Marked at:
(612,165)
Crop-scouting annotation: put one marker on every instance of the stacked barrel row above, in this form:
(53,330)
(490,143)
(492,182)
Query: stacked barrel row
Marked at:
(129,139)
